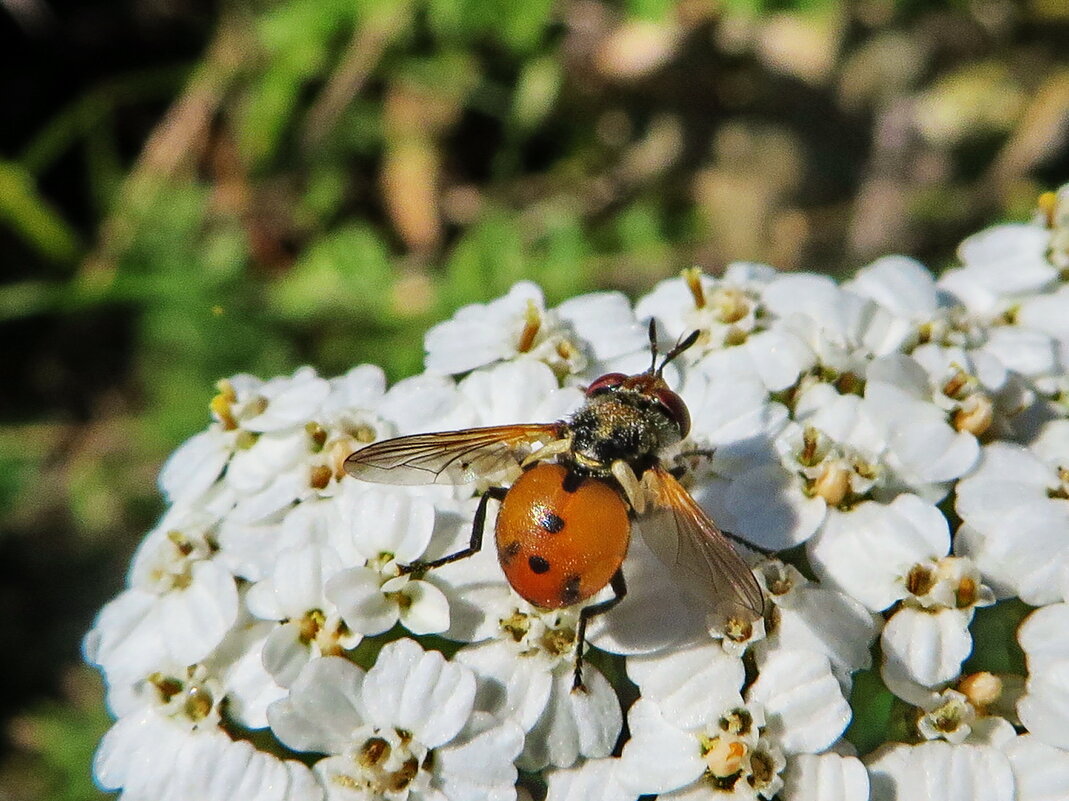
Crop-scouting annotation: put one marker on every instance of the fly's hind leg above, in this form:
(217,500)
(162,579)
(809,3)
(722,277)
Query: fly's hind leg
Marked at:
(619,588)
(474,544)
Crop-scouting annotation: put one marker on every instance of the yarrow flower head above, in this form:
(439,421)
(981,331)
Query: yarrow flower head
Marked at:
(887,464)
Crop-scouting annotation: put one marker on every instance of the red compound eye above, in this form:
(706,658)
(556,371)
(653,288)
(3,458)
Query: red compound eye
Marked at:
(676,408)
(607,381)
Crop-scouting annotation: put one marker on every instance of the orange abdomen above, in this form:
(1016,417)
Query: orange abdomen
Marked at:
(560,538)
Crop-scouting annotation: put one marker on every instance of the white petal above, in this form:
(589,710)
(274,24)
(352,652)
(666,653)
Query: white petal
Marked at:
(357,593)
(815,296)
(1007,478)
(1047,313)
(481,768)
(1044,709)
(1008,258)
(426,402)
(900,284)
(939,771)
(779,356)
(250,687)
(659,757)
(868,551)
(256,468)
(361,387)
(803,702)
(392,522)
(825,777)
(894,382)
(1042,771)
(411,689)
(930,451)
(593,780)
(1027,556)
(285,653)
(770,510)
(136,743)
(194,466)
(845,418)
(1052,444)
(428,609)
(323,708)
(295,586)
(574,724)
(830,623)
(924,646)
(197,618)
(138,631)
(510,686)
(1030,353)
(1042,636)
(295,402)
(692,687)
(735,418)
(606,321)
(125,639)
(220,769)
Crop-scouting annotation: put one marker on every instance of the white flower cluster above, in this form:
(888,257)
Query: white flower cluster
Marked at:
(901,441)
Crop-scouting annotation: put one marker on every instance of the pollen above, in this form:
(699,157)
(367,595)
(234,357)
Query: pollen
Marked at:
(982,689)
(731,304)
(723,756)
(810,454)
(558,642)
(833,484)
(919,580)
(976,414)
(198,704)
(222,405)
(167,686)
(967,593)
(692,277)
(762,769)
(374,752)
(956,384)
(532,323)
(738,629)
(311,623)
(516,626)
(320,477)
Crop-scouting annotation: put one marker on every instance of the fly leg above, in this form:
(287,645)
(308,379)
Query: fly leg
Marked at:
(474,544)
(619,588)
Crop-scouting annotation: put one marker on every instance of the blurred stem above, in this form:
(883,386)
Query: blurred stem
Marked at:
(31,217)
(174,143)
(369,42)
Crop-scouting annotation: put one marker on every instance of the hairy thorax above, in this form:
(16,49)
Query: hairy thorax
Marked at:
(624,426)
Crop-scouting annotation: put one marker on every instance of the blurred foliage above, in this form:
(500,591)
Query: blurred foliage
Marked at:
(189,190)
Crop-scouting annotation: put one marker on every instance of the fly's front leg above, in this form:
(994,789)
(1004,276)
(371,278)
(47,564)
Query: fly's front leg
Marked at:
(474,544)
(619,588)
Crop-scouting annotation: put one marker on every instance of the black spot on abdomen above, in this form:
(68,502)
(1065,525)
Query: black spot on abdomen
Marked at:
(570,591)
(572,481)
(508,553)
(538,564)
(550,521)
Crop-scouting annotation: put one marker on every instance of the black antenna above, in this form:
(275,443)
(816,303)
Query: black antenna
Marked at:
(680,346)
(653,346)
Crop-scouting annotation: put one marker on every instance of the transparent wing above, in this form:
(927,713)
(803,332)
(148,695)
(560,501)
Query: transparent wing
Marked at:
(449,457)
(682,536)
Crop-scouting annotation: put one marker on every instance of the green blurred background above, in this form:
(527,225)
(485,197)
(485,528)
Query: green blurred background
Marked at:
(192,189)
